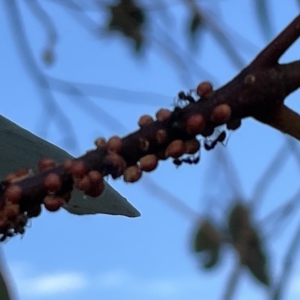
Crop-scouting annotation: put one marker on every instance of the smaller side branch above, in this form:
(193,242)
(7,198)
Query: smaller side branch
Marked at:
(283,119)
(232,282)
(271,54)
(287,265)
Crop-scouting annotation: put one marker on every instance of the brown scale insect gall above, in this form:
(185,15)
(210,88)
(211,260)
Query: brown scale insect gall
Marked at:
(52,183)
(192,146)
(92,184)
(148,163)
(83,183)
(204,88)
(13,193)
(45,164)
(95,190)
(163,114)
(68,163)
(11,211)
(114,144)
(53,203)
(78,169)
(100,142)
(117,162)
(132,174)
(95,177)
(145,120)
(19,175)
(22,173)
(221,113)
(11,177)
(175,149)
(195,124)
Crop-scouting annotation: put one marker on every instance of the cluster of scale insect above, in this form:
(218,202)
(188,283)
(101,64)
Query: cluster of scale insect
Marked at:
(208,143)
(13,221)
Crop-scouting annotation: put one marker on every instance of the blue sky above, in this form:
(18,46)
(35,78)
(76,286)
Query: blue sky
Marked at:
(63,256)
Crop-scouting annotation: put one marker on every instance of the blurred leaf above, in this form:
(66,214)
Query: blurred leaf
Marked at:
(4,293)
(247,243)
(207,237)
(210,258)
(238,221)
(128,19)
(195,25)
(207,241)
(263,17)
(255,259)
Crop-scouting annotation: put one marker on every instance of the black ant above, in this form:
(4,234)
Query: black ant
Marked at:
(185,96)
(187,160)
(220,138)
(17,228)
(6,235)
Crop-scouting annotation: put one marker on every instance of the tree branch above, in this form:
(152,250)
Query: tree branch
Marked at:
(258,91)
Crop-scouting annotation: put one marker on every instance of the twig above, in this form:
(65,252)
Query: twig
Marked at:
(287,265)
(268,176)
(271,54)
(44,19)
(232,282)
(216,31)
(23,47)
(172,201)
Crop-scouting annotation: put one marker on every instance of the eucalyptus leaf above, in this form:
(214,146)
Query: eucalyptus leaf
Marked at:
(22,149)
(256,260)
(238,221)
(207,243)
(207,237)
(128,18)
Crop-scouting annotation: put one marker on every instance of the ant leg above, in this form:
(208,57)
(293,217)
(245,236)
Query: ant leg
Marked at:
(177,162)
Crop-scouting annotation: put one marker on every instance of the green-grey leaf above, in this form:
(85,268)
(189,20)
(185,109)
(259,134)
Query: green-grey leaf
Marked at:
(4,292)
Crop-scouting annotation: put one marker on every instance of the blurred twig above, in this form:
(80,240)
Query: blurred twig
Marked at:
(265,180)
(50,106)
(109,92)
(232,282)
(288,263)
(218,33)
(41,14)
(172,201)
